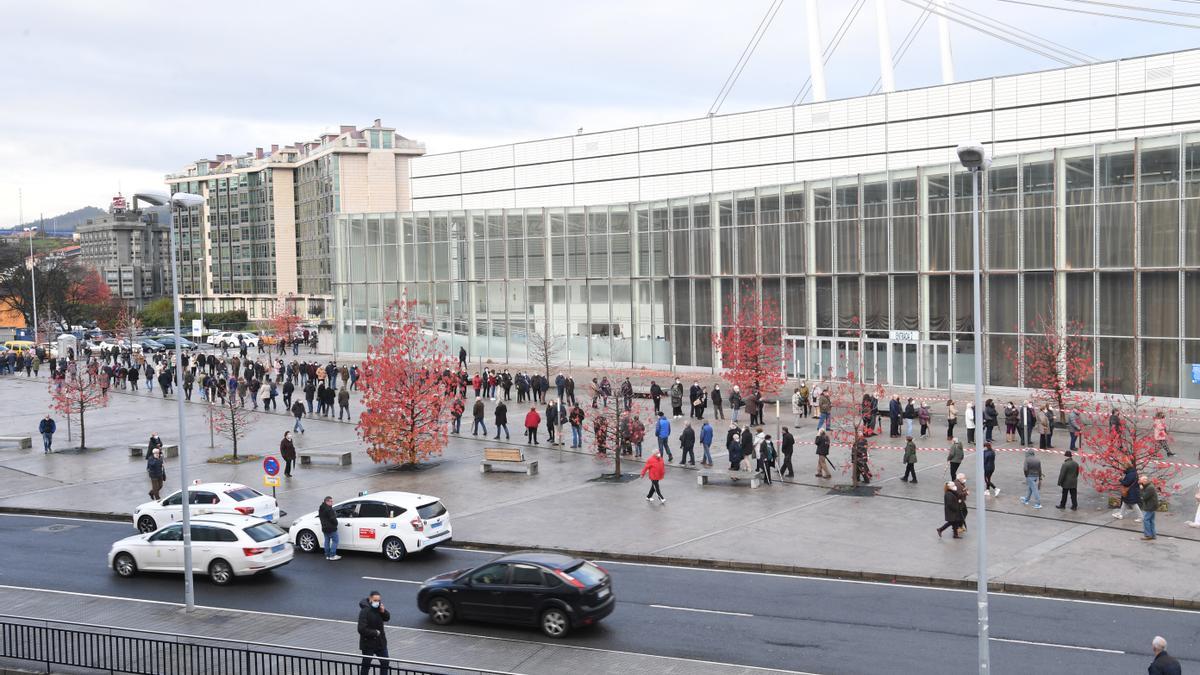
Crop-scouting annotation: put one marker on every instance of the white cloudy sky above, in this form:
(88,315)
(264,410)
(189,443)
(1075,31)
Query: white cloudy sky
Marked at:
(101,94)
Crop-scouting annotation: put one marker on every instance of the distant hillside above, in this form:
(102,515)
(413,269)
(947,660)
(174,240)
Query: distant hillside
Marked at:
(62,224)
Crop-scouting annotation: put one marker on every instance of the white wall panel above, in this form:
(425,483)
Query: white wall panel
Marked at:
(679,159)
(1186,105)
(605,168)
(1187,68)
(1158,107)
(762,151)
(875,108)
(487,158)
(675,134)
(543,174)
(606,143)
(435,164)
(1131,75)
(981,95)
(549,196)
(1077,83)
(752,124)
(488,200)
(1131,110)
(437,185)
(1077,117)
(1103,113)
(1104,79)
(661,187)
(486,181)
(607,192)
(438,203)
(549,150)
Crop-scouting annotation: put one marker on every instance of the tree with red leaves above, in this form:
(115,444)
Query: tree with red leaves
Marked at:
(1056,362)
(231,421)
(126,325)
(405,402)
(750,343)
(284,320)
(73,394)
(1112,448)
(852,417)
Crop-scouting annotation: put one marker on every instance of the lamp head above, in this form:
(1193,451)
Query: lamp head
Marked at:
(974,156)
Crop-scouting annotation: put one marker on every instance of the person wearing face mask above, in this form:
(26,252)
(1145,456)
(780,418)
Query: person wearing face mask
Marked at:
(372,639)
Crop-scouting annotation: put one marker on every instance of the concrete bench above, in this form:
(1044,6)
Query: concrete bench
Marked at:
(342,456)
(139,450)
(755,477)
(19,441)
(507,457)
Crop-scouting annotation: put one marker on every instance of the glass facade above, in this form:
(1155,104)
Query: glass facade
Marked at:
(317,199)
(1105,235)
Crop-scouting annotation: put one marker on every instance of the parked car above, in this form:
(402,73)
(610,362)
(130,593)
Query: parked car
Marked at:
(168,342)
(230,339)
(392,523)
(553,591)
(148,345)
(206,498)
(224,546)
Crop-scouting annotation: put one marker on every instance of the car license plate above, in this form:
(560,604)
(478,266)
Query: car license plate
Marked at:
(277,548)
(436,524)
(603,593)
(269,517)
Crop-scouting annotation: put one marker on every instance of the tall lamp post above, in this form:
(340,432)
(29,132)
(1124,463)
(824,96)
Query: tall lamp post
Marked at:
(33,280)
(181,200)
(975,158)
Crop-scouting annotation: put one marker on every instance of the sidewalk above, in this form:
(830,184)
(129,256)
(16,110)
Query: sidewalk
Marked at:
(466,654)
(802,526)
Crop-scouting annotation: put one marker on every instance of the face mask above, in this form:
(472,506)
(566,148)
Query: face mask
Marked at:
(375,604)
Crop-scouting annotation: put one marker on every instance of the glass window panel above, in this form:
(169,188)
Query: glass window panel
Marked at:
(768,208)
(938,188)
(875,245)
(823,203)
(700,219)
(1160,367)
(682,304)
(1080,179)
(1002,350)
(1160,310)
(683,345)
(1160,172)
(1115,232)
(680,253)
(558,256)
(516,258)
(1002,303)
(907,302)
(904,244)
(598,256)
(618,222)
(702,302)
(1080,237)
(1037,187)
(725,212)
(704,347)
(577,256)
(769,248)
(1191,304)
(1116,303)
(659,219)
(1117,373)
(1159,227)
(702,243)
(1191,245)
(496,262)
(1038,240)
(793,204)
(964,304)
(770,295)
(1115,174)
(1002,240)
(847,246)
(876,301)
(598,292)
(823,245)
(658,242)
(726,250)
(744,204)
(939,307)
(679,217)
(849,314)
(847,199)
(1080,301)
(1038,304)
(597,221)
(515,226)
(875,200)
(1002,187)
(747,251)
(963,259)
(939,243)
(1192,169)
(794,304)
(904,195)
(622,257)
(824,299)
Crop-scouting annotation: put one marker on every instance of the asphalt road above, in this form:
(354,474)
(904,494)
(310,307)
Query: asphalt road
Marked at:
(813,625)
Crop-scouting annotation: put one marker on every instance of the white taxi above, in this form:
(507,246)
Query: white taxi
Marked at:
(224,546)
(392,523)
(206,498)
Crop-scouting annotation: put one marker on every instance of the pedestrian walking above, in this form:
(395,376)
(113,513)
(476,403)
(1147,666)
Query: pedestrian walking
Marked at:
(989,468)
(501,419)
(706,439)
(766,458)
(477,414)
(656,394)
(1068,480)
(456,412)
(1163,663)
(298,413)
(343,399)
(1160,433)
(46,428)
(155,443)
(329,528)
(951,418)
(910,460)
(823,463)
(787,447)
(1131,494)
(287,450)
(970,415)
(532,420)
(1033,479)
(923,417)
(372,639)
(662,432)
(551,421)
(1075,426)
(687,444)
(576,418)
(656,469)
(1149,507)
(951,509)
(157,473)
(955,457)
(714,397)
(909,414)
(825,408)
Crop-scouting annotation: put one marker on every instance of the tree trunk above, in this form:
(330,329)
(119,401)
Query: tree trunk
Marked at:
(82,432)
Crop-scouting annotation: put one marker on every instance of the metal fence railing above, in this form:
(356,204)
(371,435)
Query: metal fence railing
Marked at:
(119,650)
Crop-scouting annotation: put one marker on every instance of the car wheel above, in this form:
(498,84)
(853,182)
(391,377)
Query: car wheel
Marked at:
(555,623)
(124,565)
(393,549)
(441,611)
(307,541)
(146,525)
(220,572)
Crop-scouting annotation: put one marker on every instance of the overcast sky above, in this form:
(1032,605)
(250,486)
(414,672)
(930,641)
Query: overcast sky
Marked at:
(101,94)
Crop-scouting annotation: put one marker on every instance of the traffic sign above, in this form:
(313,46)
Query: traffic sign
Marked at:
(271,465)
(271,481)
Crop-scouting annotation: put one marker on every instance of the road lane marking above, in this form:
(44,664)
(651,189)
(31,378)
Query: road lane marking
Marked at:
(395,581)
(477,636)
(1052,644)
(705,611)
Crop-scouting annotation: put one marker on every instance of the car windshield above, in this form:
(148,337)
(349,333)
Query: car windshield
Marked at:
(431,510)
(242,494)
(587,574)
(264,531)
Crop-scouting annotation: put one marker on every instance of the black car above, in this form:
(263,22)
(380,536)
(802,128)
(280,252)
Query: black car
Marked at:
(552,591)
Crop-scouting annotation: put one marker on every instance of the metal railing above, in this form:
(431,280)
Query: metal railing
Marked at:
(120,650)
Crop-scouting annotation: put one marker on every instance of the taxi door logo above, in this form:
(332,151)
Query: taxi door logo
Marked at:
(366,533)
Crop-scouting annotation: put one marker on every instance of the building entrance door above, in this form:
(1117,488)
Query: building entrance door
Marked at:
(935,365)
(904,364)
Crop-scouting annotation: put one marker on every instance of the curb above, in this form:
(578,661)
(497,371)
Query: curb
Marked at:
(67,513)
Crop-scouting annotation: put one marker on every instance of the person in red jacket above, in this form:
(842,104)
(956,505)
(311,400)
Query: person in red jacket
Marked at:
(657,469)
(532,420)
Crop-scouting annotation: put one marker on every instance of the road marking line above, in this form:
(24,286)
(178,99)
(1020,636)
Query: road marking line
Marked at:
(86,520)
(395,581)
(705,611)
(410,628)
(1052,644)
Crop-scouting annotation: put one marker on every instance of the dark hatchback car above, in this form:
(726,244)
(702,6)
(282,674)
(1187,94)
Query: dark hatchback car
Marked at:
(552,591)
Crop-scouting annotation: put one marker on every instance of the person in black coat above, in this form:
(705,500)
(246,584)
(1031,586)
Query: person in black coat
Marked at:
(372,638)
(894,412)
(788,446)
(154,443)
(823,464)
(502,419)
(952,509)
(687,441)
(1163,663)
(733,446)
(287,450)
(329,528)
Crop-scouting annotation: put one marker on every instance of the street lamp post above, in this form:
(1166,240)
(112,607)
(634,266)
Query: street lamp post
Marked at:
(33,280)
(184,200)
(976,159)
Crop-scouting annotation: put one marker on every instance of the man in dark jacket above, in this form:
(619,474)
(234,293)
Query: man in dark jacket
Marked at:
(477,416)
(154,443)
(154,468)
(298,411)
(329,527)
(551,420)
(372,639)
(46,428)
(687,441)
(1163,663)
(733,446)
(287,450)
(894,413)
(1068,480)
(1131,495)
(501,419)
(788,447)
(823,463)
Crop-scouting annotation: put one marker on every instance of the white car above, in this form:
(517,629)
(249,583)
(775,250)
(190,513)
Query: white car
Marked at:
(392,523)
(230,339)
(206,498)
(224,546)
